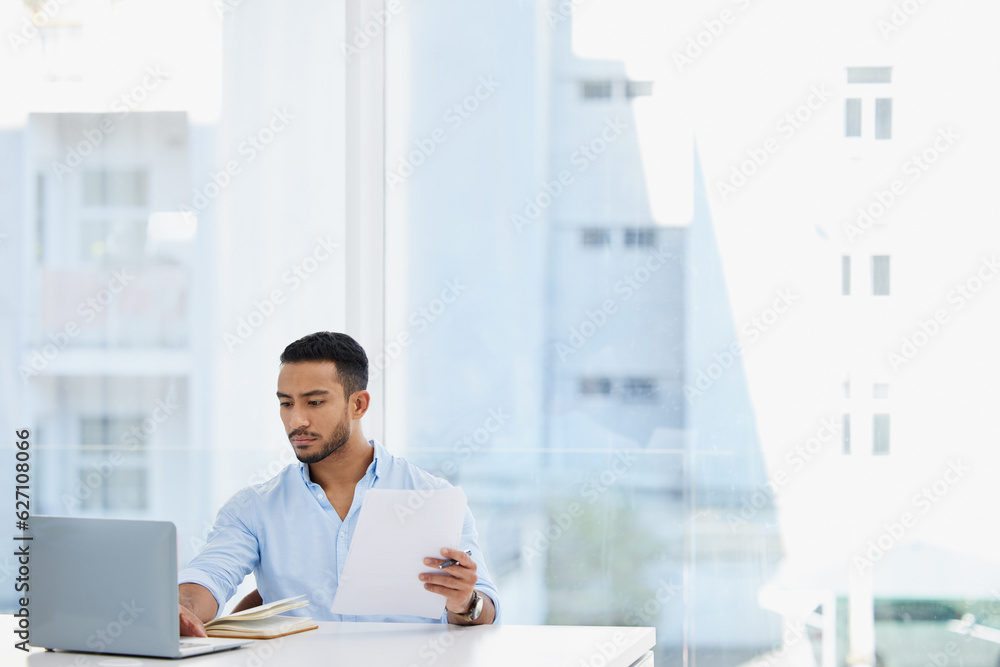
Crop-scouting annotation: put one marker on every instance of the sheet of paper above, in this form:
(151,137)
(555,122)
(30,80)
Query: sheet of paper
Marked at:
(396,531)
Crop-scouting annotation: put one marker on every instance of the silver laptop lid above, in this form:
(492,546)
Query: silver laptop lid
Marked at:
(104,585)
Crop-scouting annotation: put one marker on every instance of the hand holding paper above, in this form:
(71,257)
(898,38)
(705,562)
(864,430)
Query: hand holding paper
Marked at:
(396,531)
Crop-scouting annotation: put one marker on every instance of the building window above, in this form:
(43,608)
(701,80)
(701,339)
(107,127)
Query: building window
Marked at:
(597,90)
(115,188)
(880,275)
(112,243)
(852,117)
(883,118)
(595,386)
(638,89)
(115,482)
(846,432)
(845,275)
(880,434)
(640,389)
(595,237)
(113,224)
(868,87)
(869,75)
(640,238)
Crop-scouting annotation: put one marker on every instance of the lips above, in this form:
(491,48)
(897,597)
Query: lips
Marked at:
(301,439)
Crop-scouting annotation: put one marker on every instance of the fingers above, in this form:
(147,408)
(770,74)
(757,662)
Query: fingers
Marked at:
(190,625)
(456,582)
(463,558)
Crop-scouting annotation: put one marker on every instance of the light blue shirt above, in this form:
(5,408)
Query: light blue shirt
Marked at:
(286,531)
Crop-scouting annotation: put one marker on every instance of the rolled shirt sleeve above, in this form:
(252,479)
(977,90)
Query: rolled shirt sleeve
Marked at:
(231,552)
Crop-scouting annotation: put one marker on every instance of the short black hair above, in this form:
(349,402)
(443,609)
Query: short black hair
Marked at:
(349,357)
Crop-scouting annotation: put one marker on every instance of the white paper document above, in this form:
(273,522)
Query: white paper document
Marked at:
(396,531)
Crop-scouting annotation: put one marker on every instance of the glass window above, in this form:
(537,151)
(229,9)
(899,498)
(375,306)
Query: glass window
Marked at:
(640,238)
(639,389)
(883,118)
(596,237)
(168,232)
(852,117)
(115,188)
(638,89)
(590,386)
(597,90)
(880,275)
(845,426)
(880,434)
(869,75)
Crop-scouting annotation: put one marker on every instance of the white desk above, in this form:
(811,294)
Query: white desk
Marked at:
(393,645)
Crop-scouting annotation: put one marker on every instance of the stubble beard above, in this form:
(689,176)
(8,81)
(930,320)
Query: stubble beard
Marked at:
(336,441)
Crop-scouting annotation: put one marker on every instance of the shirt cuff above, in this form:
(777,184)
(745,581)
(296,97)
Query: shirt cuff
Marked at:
(196,577)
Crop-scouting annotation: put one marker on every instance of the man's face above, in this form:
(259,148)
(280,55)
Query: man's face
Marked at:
(313,409)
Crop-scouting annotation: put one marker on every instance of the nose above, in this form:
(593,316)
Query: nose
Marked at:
(299,419)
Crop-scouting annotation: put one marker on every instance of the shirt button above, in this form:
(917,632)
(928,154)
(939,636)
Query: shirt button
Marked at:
(319,495)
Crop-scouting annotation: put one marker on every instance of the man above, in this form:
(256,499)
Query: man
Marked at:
(294,530)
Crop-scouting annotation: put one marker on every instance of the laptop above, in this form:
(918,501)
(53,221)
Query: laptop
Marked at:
(109,586)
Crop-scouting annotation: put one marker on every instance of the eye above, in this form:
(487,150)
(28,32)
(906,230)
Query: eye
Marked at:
(284,404)
(315,402)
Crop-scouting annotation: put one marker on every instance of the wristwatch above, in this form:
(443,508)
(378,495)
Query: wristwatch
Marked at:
(475,608)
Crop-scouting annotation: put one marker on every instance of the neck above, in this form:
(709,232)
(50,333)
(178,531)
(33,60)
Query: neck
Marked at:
(346,466)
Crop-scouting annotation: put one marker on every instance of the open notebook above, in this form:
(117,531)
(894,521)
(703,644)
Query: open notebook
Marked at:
(264,622)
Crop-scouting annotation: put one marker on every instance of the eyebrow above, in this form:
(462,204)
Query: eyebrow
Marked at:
(314,392)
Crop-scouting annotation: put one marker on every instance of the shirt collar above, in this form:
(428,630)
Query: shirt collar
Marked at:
(381,454)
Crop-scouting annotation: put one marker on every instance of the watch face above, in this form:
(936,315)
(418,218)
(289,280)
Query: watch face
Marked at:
(477,606)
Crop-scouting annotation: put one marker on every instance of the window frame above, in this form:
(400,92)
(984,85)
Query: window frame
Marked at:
(364,214)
